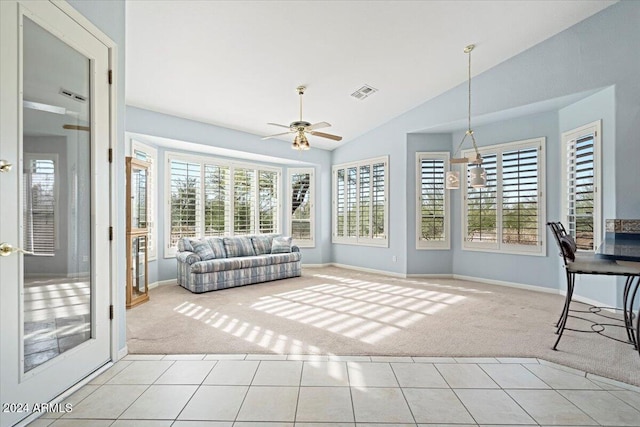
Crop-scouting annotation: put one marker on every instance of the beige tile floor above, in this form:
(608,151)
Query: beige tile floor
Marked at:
(339,391)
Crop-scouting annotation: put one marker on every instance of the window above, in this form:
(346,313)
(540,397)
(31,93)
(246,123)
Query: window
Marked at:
(432,207)
(210,197)
(302,192)
(148,154)
(40,204)
(360,202)
(508,214)
(581,204)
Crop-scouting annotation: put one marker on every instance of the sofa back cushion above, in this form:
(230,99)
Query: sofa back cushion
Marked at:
(203,249)
(217,246)
(239,246)
(281,245)
(262,243)
(184,244)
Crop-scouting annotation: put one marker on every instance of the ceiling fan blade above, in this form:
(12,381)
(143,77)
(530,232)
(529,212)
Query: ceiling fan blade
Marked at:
(326,135)
(318,125)
(276,124)
(277,134)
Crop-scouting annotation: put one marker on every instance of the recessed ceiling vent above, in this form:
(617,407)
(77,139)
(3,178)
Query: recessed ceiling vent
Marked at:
(364,92)
(72,95)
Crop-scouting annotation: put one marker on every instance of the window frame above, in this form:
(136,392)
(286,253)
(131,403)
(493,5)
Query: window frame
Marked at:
(302,243)
(170,251)
(152,195)
(499,246)
(422,244)
(358,240)
(53,157)
(595,128)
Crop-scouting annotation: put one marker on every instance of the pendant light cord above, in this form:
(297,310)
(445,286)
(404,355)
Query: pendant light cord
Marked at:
(469,132)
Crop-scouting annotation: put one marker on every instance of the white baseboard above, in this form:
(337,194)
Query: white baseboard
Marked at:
(429,276)
(163,283)
(326,264)
(369,270)
(507,284)
(123,352)
(590,301)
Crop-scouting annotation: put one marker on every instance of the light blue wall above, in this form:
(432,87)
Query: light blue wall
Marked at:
(109,17)
(421,261)
(600,106)
(384,141)
(531,270)
(165,126)
(594,54)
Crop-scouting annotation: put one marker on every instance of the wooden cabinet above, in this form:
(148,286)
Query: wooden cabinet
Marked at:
(137,232)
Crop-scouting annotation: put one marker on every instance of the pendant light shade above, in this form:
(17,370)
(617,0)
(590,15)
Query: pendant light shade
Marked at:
(477,177)
(452,180)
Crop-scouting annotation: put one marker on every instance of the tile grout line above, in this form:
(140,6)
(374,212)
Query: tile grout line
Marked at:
(403,395)
(235,419)
(506,391)
(456,395)
(353,406)
(196,390)
(295,413)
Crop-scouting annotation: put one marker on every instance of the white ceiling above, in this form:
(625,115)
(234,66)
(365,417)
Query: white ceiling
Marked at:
(237,63)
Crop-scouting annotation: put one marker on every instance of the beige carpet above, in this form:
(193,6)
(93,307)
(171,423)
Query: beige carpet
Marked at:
(343,312)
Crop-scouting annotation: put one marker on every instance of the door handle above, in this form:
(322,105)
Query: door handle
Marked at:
(5,166)
(6,249)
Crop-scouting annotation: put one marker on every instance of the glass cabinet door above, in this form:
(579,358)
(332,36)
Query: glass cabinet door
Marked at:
(137,284)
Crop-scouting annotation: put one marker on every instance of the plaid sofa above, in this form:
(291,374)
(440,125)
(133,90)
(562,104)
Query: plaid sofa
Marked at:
(215,263)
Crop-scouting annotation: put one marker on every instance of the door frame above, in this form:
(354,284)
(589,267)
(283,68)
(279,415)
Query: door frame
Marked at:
(114,140)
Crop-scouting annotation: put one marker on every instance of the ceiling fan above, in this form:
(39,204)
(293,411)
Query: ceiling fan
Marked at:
(301,127)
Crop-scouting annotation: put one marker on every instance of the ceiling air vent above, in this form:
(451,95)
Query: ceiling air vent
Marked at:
(364,92)
(72,95)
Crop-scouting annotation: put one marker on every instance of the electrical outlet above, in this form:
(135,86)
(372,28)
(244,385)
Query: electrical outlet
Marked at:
(85,258)
(394,258)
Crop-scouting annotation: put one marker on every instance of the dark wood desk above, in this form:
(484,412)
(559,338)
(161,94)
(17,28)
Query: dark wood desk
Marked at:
(625,247)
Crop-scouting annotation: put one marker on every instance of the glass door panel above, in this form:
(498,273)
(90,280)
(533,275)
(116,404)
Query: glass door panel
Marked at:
(56,208)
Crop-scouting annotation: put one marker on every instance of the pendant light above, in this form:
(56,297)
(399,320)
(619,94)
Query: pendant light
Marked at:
(477,174)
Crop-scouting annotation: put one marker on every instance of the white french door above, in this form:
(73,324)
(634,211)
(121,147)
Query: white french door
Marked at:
(54,205)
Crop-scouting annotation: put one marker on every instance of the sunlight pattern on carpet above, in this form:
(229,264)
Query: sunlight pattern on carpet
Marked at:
(358,309)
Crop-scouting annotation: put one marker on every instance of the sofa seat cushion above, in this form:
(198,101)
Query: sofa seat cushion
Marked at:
(284,258)
(254,261)
(239,246)
(214,265)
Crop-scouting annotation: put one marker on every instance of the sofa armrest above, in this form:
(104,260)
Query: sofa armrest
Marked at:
(294,248)
(188,257)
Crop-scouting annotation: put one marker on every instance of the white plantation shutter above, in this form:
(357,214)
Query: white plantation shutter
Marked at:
(378,208)
(482,210)
(185,200)
(581,190)
(352,201)
(268,202)
(340,202)
(432,206)
(360,203)
(221,199)
(520,187)
(302,187)
(217,201)
(244,189)
(508,214)
(39,212)
(365,201)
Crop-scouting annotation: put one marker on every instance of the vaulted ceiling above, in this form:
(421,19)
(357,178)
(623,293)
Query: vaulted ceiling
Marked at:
(237,63)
